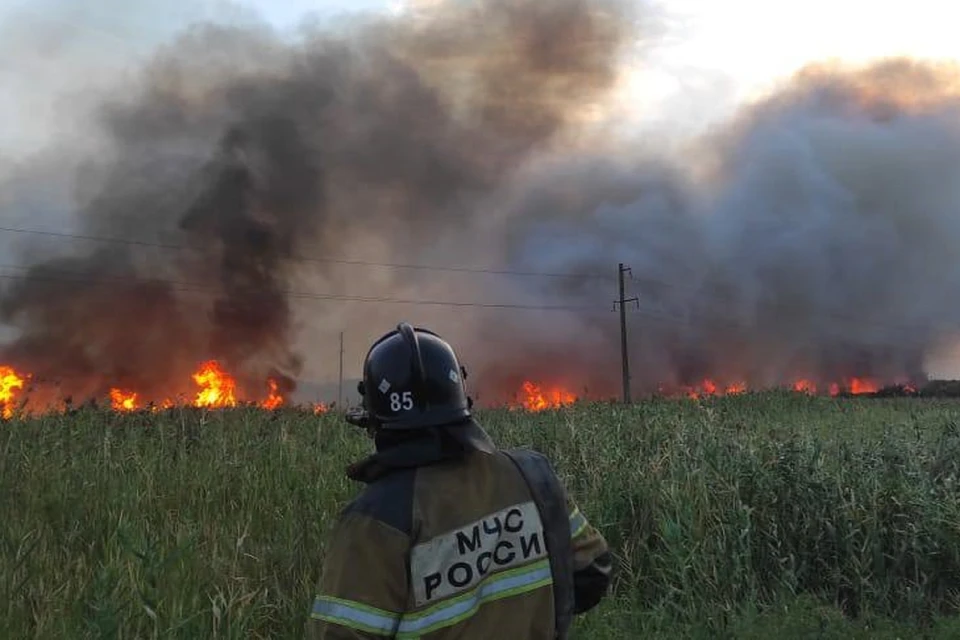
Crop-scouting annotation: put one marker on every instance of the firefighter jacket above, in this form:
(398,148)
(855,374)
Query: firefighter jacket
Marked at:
(446,541)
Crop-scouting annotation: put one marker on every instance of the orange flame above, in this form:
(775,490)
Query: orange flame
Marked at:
(859,386)
(10,383)
(216,386)
(217,389)
(711,388)
(855,386)
(275,399)
(123,400)
(535,399)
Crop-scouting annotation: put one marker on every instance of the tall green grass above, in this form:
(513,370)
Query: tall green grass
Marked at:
(746,516)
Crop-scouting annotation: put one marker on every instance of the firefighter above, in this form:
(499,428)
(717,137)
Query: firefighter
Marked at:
(451,537)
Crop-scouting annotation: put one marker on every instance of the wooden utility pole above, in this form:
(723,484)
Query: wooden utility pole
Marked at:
(624,357)
(340,385)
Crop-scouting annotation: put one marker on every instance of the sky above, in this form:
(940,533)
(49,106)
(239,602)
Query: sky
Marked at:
(711,56)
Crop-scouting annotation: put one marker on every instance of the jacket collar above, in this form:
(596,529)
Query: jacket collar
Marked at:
(424,447)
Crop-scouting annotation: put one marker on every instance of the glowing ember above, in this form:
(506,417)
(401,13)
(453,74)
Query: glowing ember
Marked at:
(216,386)
(711,388)
(10,383)
(274,400)
(319,408)
(852,386)
(855,386)
(736,388)
(536,399)
(123,400)
(859,386)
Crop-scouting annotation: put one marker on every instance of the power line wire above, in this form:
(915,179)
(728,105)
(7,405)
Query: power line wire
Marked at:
(761,306)
(652,313)
(182,287)
(311,259)
(646,311)
(450,268)
(193,288)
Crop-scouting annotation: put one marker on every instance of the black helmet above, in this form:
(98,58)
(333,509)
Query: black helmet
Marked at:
(412,379)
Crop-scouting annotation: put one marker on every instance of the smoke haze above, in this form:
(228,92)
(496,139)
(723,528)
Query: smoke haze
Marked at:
(812,236)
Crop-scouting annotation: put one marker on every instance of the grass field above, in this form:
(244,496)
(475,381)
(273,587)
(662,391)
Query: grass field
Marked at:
(754,516)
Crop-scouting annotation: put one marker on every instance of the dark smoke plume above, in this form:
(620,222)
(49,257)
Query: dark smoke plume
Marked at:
(813,237)
(251,152)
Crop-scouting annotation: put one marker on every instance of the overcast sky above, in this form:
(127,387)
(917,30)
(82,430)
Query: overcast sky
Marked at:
(717,53)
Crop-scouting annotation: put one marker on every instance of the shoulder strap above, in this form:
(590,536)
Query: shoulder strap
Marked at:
(550,498)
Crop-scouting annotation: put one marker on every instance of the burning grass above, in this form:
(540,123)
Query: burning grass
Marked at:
(191,523)
(215,388)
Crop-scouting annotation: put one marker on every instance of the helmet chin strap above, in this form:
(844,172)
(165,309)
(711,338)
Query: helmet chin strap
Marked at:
(360,418)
